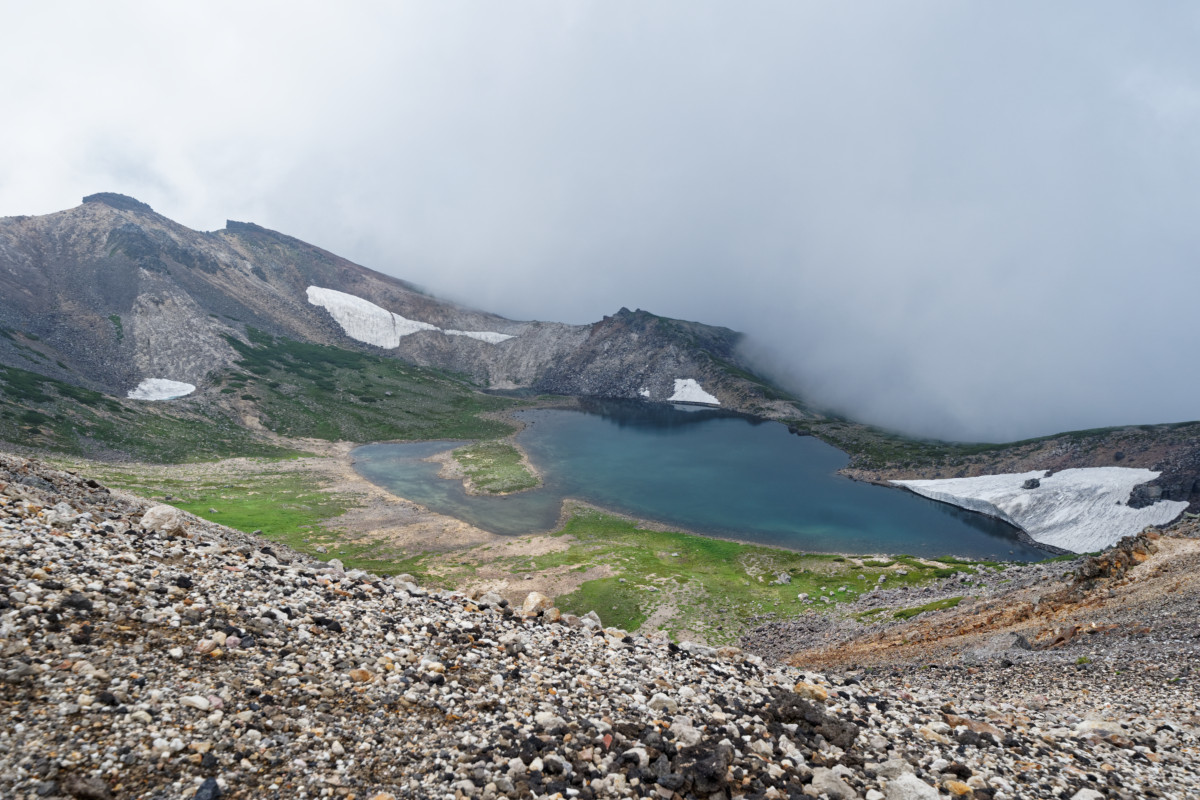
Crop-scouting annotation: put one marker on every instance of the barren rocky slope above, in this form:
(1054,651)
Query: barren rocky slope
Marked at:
(1103,650)
(147,654)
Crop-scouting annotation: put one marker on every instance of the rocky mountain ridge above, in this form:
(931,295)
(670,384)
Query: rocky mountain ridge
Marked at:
(148,654)
(110,293)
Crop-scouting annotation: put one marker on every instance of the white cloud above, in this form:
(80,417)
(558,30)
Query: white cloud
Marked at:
(970,220)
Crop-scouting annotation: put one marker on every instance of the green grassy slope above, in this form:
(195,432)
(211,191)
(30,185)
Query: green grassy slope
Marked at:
(42,413)
(295,389)
(329,393)
(633,576)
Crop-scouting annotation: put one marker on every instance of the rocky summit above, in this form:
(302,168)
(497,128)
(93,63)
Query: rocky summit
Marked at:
(147,654)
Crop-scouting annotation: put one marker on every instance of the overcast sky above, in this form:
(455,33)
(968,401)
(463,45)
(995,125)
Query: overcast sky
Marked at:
(974,220)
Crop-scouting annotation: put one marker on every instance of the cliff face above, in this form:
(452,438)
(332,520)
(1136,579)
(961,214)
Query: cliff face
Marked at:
(110,293)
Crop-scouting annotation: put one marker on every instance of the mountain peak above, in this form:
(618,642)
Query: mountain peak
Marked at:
(121,202)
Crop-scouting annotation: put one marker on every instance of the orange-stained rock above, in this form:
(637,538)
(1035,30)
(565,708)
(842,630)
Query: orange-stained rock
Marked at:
(810,691)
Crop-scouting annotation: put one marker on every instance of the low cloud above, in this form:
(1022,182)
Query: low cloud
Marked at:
(954,220)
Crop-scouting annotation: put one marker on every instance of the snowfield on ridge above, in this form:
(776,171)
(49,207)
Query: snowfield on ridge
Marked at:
(366,322)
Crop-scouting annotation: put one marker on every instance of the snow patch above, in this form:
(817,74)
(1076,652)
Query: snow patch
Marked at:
(688,390)
(1082,510)
(491,337)
(363,320)
(644,392)
(366,322)
(160,389)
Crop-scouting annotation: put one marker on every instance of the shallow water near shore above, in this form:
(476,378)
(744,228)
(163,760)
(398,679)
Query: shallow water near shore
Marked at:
(701,470)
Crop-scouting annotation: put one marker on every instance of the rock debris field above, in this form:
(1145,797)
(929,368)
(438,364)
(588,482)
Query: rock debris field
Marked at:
(147,654)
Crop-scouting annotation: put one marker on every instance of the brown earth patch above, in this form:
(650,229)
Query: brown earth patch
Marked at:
(1163,588)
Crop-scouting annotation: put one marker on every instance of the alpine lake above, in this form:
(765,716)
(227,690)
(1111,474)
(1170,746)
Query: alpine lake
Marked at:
(701,470)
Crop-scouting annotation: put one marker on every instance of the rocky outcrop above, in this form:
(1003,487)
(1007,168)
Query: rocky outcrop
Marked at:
(121,202)
(636,354)
(1118,560)
(1180,480)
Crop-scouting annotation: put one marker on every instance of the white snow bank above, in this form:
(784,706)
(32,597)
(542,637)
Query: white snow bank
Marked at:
(366,322)
(644,392)
(1081,510)
(160,389)
(363,320)
(688,390)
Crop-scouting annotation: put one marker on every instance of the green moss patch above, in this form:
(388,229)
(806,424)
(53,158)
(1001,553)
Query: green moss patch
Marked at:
(495,467)
(288,506)
(680,582)
(936,605)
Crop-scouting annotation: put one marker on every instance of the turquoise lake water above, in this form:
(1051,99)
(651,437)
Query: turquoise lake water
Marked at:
(702,470)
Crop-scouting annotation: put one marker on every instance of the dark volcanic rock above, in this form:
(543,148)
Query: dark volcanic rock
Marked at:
(1116,561)
(1180,480)
(122,202)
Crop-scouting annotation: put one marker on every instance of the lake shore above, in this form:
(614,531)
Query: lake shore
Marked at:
(633,571)
(720,478)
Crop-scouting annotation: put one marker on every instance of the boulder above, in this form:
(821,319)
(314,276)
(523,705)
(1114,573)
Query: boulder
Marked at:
(811,691)
(830,785)
(535,602)
(893,768)
(492,600)
(686,735)
(909,787)
(697,649)
(164,518)
(61,516)
(663,703)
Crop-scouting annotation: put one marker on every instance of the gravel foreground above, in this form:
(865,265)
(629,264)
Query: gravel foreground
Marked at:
(147,654)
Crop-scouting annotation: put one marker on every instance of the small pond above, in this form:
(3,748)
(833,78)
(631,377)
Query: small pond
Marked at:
(702,470)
